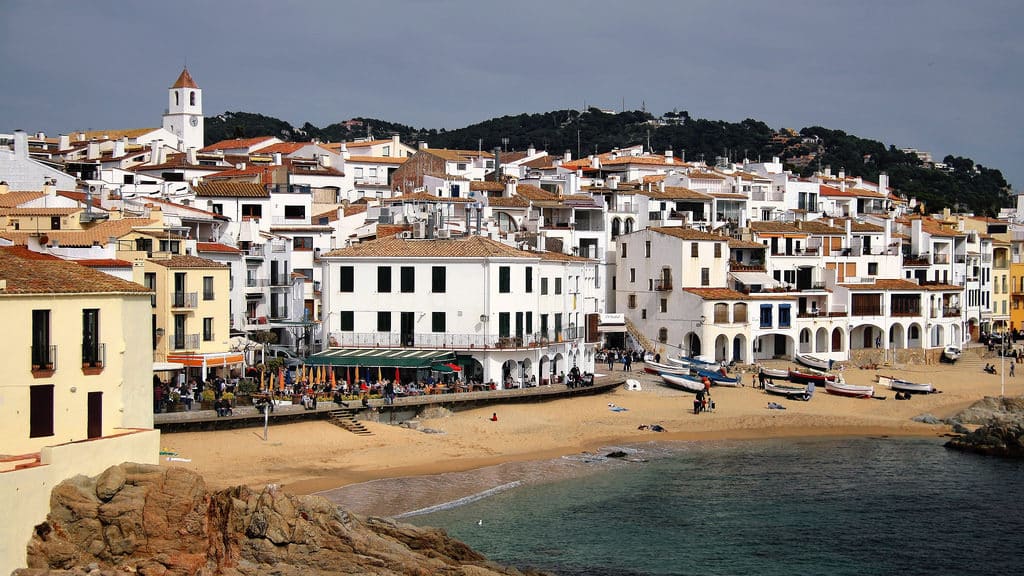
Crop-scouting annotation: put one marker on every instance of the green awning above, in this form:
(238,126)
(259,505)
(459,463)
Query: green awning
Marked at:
(441,368)
(383,357)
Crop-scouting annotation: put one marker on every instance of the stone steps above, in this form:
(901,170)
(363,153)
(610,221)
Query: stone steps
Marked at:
(345,418)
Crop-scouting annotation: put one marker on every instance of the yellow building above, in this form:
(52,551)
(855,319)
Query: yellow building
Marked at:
(77,394)
(191,313)
(1017,295)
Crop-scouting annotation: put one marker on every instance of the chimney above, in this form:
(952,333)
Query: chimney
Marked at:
(595,163)
(81,136)
(849,232)
(886,234)
(510,189)
(119,147)
(324,160)
(190,156)
(424,146)
(4,188)
(277,158)
(916,239)
(345,154)
(63,142)
(883,183)
(20,144)
(154,154)
(531,151)
(669,159)
(92,151)
(40,135)
(828,171)
(49,187)
(567,157)
(395,145)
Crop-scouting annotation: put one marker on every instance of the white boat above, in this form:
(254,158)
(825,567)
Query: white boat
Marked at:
(656,368)
(812,361)
(784,389)
(900,385)
(681,382)
(841,388)
(775,373)
(695,363)
(952,353)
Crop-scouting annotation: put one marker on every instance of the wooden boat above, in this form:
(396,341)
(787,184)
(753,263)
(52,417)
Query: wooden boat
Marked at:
(900,385)
(719,379)
(695,363)
(841,388)
(682,382)
(656,368)
(812,361)
(784,389)
(806,375)
(774,373)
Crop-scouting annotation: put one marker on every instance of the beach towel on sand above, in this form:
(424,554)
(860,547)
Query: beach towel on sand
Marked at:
(615,408)
(775,406)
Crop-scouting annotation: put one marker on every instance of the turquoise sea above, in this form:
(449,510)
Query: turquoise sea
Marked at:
(857,506)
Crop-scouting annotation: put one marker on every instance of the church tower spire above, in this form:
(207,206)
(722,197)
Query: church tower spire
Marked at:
(184,116)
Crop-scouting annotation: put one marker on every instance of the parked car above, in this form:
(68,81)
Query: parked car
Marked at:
(290,359)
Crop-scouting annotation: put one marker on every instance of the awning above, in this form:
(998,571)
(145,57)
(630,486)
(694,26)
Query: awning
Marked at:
(167,366)
(756,278)
(383,357)
(207,360)
(611,328)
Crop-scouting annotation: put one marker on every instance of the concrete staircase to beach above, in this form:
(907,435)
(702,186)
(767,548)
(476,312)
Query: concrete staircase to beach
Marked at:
(346,418)
(639,337)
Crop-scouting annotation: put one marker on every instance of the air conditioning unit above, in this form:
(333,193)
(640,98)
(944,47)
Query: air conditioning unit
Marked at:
(444,234)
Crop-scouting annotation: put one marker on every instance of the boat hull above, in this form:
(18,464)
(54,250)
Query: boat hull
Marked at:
(656,368)
(801,377)
(783,390)
(775,373)
(812,361)
(680,382)
(899,385)
(719,379)
(849,390)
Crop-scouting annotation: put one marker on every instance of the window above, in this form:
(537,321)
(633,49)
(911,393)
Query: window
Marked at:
(631,301)
(558,285)
(694,249)
(215,208)
(207,329)
(171,246)
(643,313)
(346,283)
(144,245)
(295,212)
(784,315)
(40,419)
(460,167)
(438,279)
(504,279)
(529,280)
(504,324)
(623,254)
(207,287)
(718,249)
(632,274)
(42,358)
(872,268)
(543,286)
(408,279)
(54,222)
(302,243)
(664,305)
(437,322)
(766,315)
(386,151)
(705,276)
(252,210)
(383,321)
(346,321)
(192,98)
(91,337)
(150,282)
(663,335)
(359,173)
(306,273)
(647,249)
(383,279)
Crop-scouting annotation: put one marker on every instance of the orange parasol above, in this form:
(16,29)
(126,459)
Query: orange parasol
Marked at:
(333,383)
(280,378)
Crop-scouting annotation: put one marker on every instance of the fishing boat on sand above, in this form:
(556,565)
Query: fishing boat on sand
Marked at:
(718,378)
(812,361)
(900,385)
(841,388)
(682,382)
(695,363)
(656,368)
(786,390)
(806,375)
(774,373)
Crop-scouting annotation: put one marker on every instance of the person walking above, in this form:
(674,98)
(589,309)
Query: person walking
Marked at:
(1012,364)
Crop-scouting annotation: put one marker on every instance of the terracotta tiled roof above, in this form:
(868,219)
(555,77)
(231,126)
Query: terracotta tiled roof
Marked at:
(513,202)
(97,234)
(531,192)
(486,186)
(424,197)
(184,80)
(353,209)
(283,147)
(856,226)
(175,207)
(887,284)
(775,227)
(542,162)
(231,190)
(355,159)
(457,155)
(130,133)
(216,247)
(12,199)
(392,246)
(688,233)
(675,193)
(653,178)
(264,171)
(365,143)
(699,175)
(80,197)
(235,143)
(28,273)
(820,227)
(560,257)
(717,293)
(328,215)
(737,244)
(40,211)
(186,261)
(104,263)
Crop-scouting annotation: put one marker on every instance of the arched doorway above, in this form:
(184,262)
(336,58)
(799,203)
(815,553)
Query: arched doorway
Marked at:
(805,341)
(557,366)
(472,369)
(510,376)
(691,345)
(837,340)
(628,226)
(616,227)
(722,348)
(896,336)
(937,336)
(543,369)
(914,336)
(739,349)
(528,376)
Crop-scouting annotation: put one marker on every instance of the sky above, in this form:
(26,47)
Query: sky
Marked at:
(944,76)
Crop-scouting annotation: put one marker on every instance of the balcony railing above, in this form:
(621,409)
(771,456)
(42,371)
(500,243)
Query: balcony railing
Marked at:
(663,284)
(867,311)
(255,283)
(184,299)
(279,280)
(184,341)
(44,357)
(94,355)
(454,341)
(950,312)
(960,259)
(255,251)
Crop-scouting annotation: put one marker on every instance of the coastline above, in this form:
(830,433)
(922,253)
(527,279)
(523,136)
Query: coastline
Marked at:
(317,457)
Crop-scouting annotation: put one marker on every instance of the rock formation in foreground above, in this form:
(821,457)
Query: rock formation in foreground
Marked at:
(994,439)
(164,522)
(1002,409)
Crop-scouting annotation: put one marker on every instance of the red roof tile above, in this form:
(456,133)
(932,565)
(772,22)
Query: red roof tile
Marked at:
(216,247)
(27,272)
(184,80)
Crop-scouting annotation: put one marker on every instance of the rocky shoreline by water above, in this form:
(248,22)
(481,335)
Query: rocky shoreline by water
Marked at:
(1000,431)
(154,521)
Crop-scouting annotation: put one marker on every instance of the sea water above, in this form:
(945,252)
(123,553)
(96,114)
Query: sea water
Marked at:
(823,506)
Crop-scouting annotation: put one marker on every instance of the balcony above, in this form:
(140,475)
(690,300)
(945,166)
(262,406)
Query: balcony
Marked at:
(255,283)
(44,358)
(951,312)
(255,252)
(184,299)
(439,340)
(94,355)
(280,281)
(867,311)
(663,284)
(184,341)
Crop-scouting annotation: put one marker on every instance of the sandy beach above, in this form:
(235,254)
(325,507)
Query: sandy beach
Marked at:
(317,456)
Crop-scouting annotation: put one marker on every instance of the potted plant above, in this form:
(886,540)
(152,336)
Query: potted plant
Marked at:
(207,399)
(174,402)
(229,398)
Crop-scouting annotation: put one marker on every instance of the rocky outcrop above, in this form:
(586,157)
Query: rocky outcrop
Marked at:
(164,522)
(995,439)
(992,409)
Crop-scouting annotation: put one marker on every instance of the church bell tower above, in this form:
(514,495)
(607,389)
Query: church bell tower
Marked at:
(184,116)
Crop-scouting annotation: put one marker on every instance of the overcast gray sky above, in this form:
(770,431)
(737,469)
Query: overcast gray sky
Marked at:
(943,76)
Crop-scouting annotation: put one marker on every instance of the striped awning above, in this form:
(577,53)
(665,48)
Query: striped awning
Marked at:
(382,357)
